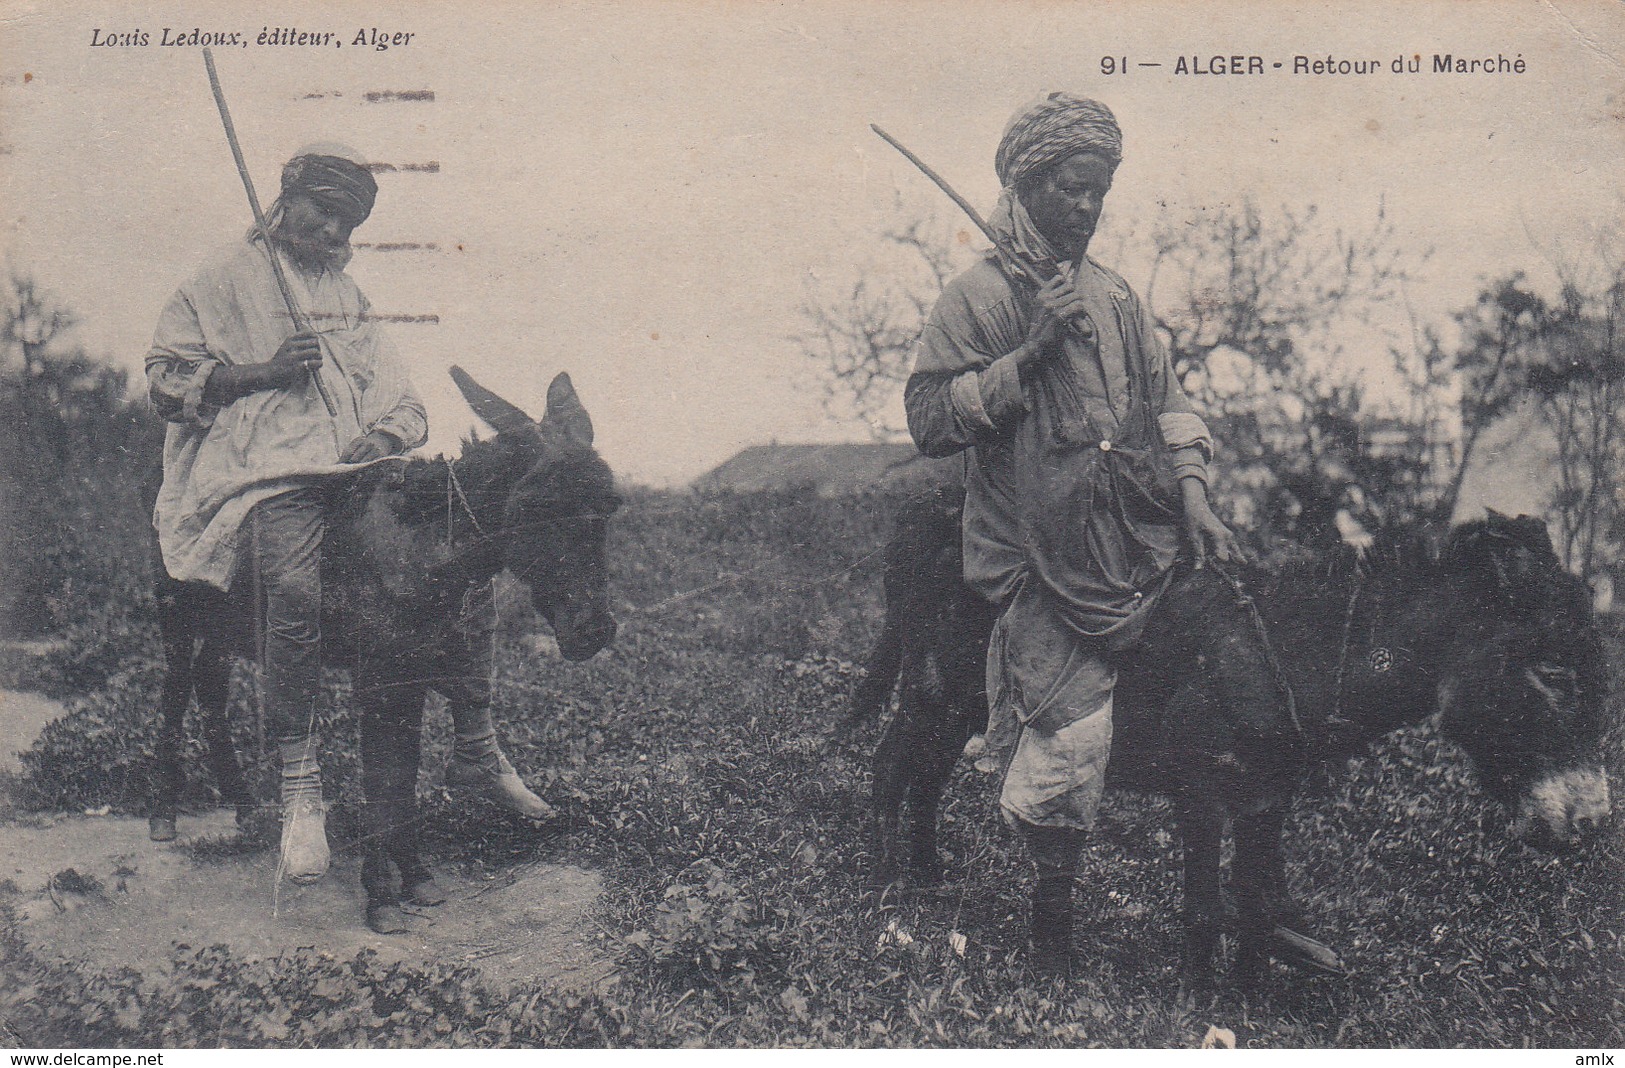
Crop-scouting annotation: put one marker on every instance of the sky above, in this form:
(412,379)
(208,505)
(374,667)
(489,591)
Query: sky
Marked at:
(641,193)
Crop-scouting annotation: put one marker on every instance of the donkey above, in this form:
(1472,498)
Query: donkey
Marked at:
(1490,634)
(407,563)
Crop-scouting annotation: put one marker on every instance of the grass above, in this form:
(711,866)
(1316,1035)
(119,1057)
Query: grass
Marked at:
(691,765)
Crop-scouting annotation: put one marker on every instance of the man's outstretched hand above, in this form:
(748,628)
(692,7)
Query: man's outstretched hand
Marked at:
(371,446)
(1207,533)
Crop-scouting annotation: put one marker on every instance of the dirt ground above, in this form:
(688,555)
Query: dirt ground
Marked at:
(95,888)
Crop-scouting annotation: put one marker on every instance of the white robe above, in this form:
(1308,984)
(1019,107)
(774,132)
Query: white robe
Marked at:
(219,463)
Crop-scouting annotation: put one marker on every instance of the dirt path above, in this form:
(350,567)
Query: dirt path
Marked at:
(96,889)
(22,717)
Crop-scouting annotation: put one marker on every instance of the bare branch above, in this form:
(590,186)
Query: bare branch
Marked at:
(861,333)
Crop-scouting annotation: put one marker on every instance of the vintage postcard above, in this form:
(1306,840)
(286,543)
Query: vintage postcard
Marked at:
(627,523)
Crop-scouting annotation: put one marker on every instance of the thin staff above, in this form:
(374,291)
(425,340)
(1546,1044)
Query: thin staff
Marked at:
(300,323)
(965,205)
(1014,261)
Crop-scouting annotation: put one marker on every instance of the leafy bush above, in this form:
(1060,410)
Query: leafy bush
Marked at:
(212,997)
(691,765)
(704,931)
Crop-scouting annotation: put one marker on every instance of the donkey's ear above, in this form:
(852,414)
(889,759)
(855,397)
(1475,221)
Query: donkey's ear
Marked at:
(1423,545)
(564,410)
(1435,541)
(1532,531)
(1519,567)
(503,416)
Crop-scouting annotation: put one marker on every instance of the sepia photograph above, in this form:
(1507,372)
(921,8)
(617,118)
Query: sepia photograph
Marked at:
(655,524)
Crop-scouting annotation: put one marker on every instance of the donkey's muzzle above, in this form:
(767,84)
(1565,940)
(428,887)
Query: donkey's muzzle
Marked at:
(1565,809)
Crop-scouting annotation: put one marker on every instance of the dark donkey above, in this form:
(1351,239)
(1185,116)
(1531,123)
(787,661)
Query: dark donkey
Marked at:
(407,563)
(1491,634)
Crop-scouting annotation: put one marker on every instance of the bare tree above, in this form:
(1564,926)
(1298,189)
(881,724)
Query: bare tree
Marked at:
(34,322)
(1568,357)
(1259,310)
(1581,385)
(1265,314)
(1491,365)
(860,333)
(32,331)
(71,448)
(1267,286)
(1427,373)
(33,447)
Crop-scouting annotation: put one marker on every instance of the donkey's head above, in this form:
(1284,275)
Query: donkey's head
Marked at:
(554,519)
(1529,703)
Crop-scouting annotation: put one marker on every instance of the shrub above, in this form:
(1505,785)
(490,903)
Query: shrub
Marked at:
(690,765)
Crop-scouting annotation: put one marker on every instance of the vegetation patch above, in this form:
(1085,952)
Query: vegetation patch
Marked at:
(694,765)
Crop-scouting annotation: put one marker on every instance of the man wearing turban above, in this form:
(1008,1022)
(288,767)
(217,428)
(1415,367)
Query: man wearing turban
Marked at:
(251,446)
(1088,467)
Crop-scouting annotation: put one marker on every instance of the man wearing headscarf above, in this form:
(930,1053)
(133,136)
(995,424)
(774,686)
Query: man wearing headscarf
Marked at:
(1088,467)
(251,446)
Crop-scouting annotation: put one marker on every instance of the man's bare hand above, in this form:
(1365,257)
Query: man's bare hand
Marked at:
(1041,338)
(1207,533)
(295,361)
(371,446)
(1060,297)
(1060,306)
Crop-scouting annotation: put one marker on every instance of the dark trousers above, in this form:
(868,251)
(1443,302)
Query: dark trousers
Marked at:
(284,546)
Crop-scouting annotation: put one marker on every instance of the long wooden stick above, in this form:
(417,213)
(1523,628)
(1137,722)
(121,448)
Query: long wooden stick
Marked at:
(1009,255)
(300,324)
